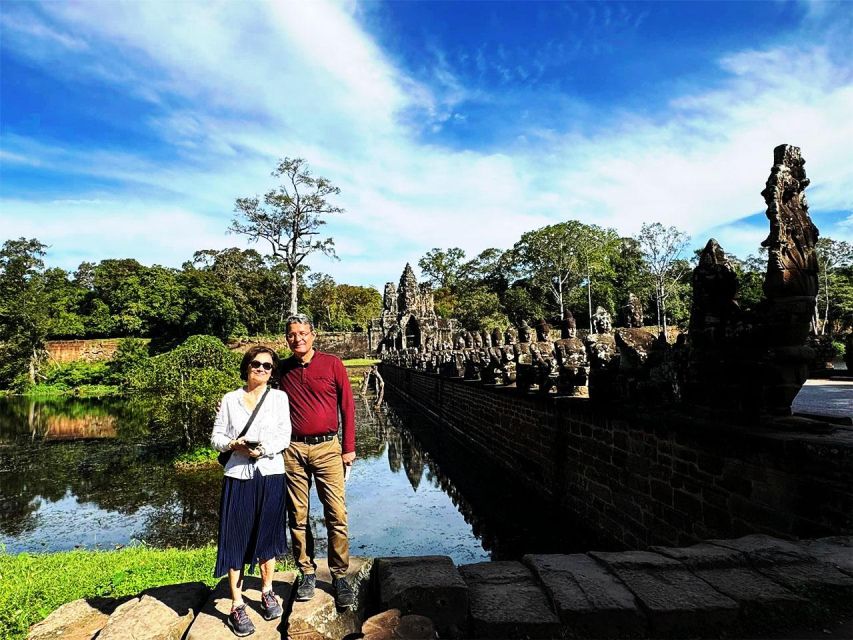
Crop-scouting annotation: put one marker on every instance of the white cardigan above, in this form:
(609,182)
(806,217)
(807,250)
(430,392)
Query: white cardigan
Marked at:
(271,428)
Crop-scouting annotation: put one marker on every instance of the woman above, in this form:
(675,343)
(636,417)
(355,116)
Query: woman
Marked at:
(251,510)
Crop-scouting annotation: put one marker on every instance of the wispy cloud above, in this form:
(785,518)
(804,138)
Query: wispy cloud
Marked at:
(226,88)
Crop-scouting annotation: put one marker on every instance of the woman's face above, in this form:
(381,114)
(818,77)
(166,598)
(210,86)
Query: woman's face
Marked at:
(260,368)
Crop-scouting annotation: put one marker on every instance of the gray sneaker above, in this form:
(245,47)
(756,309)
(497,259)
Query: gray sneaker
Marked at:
(306,587)
(270,608)
(239,622)
(344,597)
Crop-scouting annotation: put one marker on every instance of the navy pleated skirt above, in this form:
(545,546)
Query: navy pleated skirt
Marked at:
(251,522)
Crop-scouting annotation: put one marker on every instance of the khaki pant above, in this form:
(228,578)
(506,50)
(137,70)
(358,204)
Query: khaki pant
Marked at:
(322,462)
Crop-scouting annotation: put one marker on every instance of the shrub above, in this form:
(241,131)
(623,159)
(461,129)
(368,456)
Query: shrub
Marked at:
(130,354)
(186,384)
(76,374)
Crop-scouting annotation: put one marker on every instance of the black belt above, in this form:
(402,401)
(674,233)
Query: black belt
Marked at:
(314,439)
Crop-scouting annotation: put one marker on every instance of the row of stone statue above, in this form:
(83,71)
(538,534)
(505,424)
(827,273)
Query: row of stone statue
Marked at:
(513,357)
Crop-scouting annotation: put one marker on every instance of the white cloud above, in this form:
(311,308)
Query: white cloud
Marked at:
(256,81)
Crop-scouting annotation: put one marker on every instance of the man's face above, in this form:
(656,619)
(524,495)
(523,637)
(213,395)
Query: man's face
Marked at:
(300,339)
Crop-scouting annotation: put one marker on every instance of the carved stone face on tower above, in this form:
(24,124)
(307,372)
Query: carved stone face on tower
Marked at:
(389,300)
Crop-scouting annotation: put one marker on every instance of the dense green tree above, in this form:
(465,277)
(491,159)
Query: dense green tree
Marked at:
(290,218)
(24,320)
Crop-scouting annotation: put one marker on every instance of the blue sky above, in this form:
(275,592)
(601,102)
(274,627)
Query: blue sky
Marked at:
(129,128)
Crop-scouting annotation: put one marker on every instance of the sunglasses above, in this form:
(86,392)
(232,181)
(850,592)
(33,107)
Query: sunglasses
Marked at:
(257,364)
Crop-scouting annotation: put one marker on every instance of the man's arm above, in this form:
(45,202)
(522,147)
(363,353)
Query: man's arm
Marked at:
(346,404)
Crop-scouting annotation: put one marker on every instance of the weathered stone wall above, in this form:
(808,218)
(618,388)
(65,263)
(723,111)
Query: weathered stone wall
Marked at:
(643,480)
(63,351)
(344,344)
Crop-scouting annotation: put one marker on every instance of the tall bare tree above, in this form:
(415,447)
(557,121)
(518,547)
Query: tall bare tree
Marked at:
(831,254)
(290,218)
(662,247)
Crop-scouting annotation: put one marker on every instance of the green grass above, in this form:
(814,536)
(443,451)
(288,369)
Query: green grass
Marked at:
(360,362)
(83,391)
(34,584)
(203,456)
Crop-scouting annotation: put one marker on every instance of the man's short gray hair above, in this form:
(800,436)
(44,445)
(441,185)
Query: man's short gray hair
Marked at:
(298,318)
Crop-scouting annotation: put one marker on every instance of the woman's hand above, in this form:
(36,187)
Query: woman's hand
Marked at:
(239,446)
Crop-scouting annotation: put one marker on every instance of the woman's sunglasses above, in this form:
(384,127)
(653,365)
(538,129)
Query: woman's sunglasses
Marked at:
(256,364)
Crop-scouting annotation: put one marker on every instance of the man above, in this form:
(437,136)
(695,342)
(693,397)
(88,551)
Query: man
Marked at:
(318,388)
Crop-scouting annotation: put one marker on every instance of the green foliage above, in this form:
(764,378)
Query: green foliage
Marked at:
(340,307)
(201,456)
(186,385)
(130,354)
(75,374)
(23,309)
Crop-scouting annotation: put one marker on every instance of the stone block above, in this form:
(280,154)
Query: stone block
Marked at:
(428,585)
(836,550)
(163,613)
(507,602)
(319,615)
(211,620)
(77,620)
(676,602)
(764,603)
(790,565)
(590,601)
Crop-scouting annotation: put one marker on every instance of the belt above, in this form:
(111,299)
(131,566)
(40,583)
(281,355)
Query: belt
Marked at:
(314,439)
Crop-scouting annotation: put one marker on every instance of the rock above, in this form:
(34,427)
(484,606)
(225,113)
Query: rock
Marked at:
(382,625)
(429,586)
(320,616)
(788,564)
(676,601)
(507,602)
(837,551)
(211,622)
(415,627)
(77,620)
(764,603)
(634,346)
(163,613)
(589,600)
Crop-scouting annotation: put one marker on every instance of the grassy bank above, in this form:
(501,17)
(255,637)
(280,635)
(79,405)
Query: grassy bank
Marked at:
(82,391)
(34,584)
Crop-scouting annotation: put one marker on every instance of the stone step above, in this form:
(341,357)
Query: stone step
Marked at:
(506,601)
(319,619)
(676,602)
(590,601)
(76,620)
(427,586)
(210,624)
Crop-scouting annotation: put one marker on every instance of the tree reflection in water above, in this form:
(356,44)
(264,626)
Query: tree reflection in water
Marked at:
(58,493)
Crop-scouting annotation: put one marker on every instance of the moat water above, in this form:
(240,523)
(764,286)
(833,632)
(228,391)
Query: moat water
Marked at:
(78,473)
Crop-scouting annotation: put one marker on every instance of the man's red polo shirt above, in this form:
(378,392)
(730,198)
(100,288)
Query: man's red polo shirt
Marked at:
(315,391)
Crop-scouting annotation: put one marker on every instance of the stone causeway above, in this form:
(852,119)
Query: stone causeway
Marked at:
(751,587)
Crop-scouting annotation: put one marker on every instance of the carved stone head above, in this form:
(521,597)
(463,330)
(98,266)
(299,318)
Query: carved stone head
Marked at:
(523,332)
(497,337)
(511,335)
(568,326)
(542,331)
(601,321)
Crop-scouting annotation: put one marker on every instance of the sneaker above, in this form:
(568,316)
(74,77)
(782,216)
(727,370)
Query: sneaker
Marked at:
(239,622)
(306,587)
(344,597)
(270,608)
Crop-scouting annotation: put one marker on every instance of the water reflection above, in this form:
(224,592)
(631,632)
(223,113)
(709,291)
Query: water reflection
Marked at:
(88,473)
